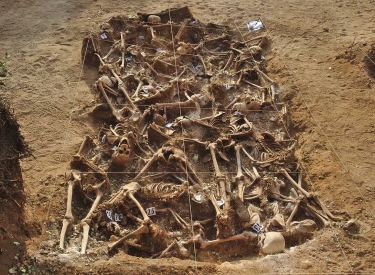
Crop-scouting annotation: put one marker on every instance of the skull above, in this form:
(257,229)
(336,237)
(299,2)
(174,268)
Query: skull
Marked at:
(153,19)
(241,108)
(121,155)
(272,243)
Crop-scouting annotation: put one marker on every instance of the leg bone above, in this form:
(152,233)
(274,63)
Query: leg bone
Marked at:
(246,235)
(122,50)
(116,113)
(293,213)
(218,174)
(68,218)
(303,191)
(317,215)
(86,221)
(239,177)
(111,50)
(325,209)
(143,229)
(129,194)
(148,165)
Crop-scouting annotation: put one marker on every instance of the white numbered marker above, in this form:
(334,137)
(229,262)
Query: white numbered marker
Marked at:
(151,211)
(118,217)
(257,227)
(109,214)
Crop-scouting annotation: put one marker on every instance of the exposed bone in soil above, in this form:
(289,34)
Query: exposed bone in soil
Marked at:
(178,124)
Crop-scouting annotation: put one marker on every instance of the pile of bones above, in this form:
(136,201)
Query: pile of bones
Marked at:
(193,156)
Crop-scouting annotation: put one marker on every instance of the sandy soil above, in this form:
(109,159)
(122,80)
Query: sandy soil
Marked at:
(318,49)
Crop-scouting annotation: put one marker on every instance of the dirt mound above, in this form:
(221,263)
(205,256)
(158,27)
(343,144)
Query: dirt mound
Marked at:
(12,230)
(369,61)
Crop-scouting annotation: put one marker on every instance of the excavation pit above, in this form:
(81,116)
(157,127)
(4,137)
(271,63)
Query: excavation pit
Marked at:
(369,61)
(194,159)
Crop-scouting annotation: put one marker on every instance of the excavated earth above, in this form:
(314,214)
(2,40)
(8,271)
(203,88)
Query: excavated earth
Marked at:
(322,57)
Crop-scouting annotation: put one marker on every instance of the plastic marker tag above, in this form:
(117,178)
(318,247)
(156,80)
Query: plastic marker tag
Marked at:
(257,227)
(118,217)
(151,211)
(255,25)
(109,214)
(220,202)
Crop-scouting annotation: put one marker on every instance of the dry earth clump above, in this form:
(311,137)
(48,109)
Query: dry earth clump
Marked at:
(13,230)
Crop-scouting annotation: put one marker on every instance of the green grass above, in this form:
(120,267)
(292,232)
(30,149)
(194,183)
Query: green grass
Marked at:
(3,68)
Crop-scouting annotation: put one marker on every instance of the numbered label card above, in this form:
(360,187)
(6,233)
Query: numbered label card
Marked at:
(151,211)
(118,217)
(109,214)
(257,227)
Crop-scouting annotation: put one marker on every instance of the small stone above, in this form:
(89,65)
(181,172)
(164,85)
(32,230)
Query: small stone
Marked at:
(306,264)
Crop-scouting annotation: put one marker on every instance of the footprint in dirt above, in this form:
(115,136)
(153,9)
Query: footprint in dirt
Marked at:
(33,45)
(355,226)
